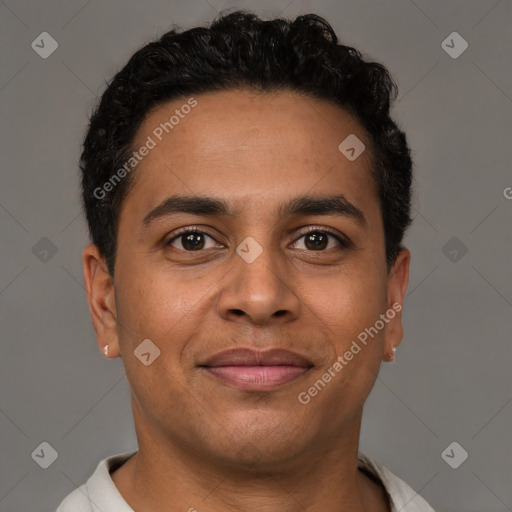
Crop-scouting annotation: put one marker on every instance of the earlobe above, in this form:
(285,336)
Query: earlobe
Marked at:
(397,287)
(101,299)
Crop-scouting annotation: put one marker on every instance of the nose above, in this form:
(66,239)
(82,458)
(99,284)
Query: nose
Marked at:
(259,292)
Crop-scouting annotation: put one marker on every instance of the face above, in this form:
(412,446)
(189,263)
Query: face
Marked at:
(288,253)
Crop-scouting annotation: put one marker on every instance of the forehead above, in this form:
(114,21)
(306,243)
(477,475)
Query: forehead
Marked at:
(250,146)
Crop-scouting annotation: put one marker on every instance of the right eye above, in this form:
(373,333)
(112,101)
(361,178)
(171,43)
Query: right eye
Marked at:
(190,239)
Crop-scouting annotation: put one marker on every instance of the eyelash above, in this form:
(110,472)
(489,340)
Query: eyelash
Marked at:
(345,244)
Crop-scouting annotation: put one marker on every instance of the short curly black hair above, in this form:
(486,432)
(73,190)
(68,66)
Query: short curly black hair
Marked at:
(240,50)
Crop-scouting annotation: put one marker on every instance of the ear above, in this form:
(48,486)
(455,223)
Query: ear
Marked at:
(397,286)
(101,299)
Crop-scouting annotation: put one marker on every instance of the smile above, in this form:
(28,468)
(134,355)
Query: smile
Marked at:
(257,371)
(257,378)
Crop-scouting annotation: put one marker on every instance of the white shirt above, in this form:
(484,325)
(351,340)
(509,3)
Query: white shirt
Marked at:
(99,493)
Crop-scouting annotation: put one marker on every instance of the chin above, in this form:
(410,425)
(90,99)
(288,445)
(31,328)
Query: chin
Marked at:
(262,448)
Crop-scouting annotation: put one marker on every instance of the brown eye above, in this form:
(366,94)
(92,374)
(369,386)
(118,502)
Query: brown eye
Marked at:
(318,240)
(190,240)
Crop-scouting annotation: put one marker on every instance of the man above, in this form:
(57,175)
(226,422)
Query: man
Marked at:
(247,194)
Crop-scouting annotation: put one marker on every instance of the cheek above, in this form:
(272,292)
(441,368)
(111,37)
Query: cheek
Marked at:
(348,309)
(350,303)
(350,315)
(167,310)
(146,308)
(153,309)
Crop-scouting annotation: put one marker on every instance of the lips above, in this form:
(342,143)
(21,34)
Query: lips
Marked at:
(252,370)
(248,357)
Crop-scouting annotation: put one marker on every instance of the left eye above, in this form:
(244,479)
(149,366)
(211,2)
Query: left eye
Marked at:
(319,240)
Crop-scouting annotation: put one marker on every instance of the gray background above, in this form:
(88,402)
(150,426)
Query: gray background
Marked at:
(452,377)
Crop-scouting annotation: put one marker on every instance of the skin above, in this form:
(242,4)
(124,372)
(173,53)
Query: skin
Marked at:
(202,440)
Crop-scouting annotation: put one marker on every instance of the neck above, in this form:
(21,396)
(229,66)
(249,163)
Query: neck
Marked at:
(324,478)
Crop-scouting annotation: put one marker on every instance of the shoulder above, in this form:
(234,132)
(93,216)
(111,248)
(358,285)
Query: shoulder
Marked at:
(402,497)
(99,490)
(77,501)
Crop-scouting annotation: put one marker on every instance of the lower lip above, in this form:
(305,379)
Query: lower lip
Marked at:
(256,378)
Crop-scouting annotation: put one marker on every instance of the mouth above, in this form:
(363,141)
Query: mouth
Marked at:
(251,370)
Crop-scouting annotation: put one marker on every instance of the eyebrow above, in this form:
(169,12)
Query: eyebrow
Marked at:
(211,206)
